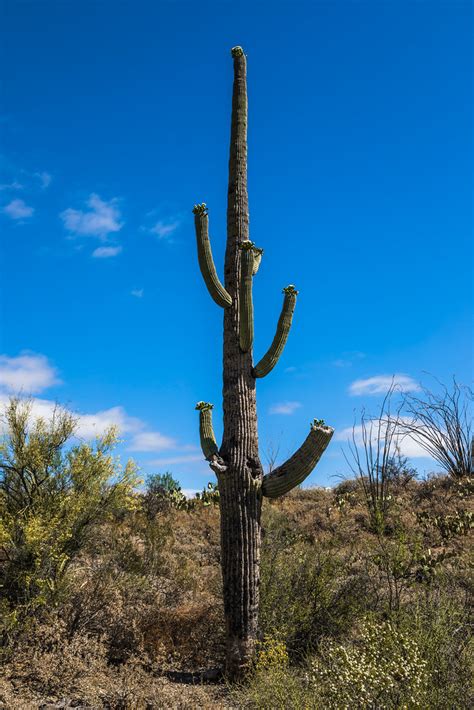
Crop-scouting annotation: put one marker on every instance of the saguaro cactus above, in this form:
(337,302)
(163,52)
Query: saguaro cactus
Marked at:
(242,483)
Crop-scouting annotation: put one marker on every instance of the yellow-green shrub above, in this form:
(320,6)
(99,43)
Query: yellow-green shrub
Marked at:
(53,492)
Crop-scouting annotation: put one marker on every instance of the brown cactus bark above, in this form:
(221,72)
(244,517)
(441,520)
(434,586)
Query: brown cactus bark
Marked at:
(240,484)
(237,464)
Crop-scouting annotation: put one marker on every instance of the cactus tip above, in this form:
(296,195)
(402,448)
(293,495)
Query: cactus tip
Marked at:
(290,289)
(320,424)
(237,51)
(200,209)
(203,406)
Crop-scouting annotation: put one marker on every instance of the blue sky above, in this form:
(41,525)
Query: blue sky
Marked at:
(115,121)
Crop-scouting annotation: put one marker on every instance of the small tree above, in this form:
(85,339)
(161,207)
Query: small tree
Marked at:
(236,462)
(52,493)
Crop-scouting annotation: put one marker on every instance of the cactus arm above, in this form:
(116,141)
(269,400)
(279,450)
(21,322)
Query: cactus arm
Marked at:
(206,432)
(271,357)
(206,262)
(245,300)
(299,466)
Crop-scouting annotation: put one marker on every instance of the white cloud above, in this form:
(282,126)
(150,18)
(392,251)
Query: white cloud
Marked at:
(164,229)
(381,384)
(151,441)
(285,408)
(29,372)
(137,292)
(176,460)
(18,209)
(89,426)
(44,178)
(100,220)
(106,252)
(92,425)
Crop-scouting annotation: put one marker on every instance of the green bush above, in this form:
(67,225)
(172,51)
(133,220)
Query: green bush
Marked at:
(307,591)
(53,494)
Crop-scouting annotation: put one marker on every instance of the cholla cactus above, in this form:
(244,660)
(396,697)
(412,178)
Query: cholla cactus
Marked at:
(242,483)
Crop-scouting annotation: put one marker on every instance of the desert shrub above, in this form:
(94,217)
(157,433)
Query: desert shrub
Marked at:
(51,665)
(53,494)
(306,592)
(271,653)
(440,624)
(163,492)
(382,668)
(274,688)
(441,423)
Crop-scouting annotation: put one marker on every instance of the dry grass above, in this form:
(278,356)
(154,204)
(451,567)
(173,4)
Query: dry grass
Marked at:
(143,600)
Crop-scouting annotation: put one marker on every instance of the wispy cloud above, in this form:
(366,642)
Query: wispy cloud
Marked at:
(151,441)
(380,384)
(173,460)
(347,359)
(137,292)
(284,408)
(14,185)
(27,372)
(18,209)
(106,252)
(291,368)
(164,229)
(44,179)
(101,219)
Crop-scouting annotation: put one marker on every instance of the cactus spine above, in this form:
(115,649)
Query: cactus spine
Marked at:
(242,483)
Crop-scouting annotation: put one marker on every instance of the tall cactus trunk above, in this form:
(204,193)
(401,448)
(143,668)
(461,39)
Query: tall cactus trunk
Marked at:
(240,485)
(236,463)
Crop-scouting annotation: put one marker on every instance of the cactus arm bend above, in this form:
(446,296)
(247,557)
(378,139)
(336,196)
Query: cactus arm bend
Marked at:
(245,300)
(271,357)
(206,262)
(299,466)
(208,440)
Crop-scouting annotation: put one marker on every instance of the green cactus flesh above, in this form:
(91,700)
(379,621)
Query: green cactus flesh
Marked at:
(271,357)
(246,304)
(206,262)
(299,466)
(206,432)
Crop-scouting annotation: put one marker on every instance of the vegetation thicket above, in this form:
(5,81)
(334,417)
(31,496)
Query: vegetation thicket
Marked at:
(111,594)
(114,595)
